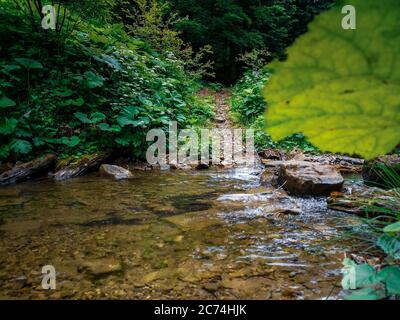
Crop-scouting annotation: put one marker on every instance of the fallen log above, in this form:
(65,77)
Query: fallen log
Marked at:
(28,170)
(71,168)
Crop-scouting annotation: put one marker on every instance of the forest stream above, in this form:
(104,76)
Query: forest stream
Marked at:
(169,234)
(176,234)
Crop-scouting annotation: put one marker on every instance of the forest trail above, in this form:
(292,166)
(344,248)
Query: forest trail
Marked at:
(238,156)
(222,107)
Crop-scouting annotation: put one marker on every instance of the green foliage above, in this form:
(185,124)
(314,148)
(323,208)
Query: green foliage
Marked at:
(6,102)
(247,103)
(390,245)
(153,22)
(394,227)
(234,27)
(247,107)
(369,283)
(263,140)
(97,90)
(339,87)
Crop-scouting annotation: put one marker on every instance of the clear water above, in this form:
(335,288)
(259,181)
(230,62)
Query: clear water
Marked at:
(199,234)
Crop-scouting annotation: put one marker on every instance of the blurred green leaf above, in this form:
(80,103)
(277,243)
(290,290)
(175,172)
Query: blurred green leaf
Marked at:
(340,87)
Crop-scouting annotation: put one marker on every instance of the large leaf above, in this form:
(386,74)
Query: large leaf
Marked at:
(390,245)
(6,102)
(21,146)
(391,277)
(96,117)
(93,80)
(82,117)
(8,126)
(394,227)
(70,142)
(341,87)
(125,121)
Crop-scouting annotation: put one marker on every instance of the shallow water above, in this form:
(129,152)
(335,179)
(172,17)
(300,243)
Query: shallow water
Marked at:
(199,234)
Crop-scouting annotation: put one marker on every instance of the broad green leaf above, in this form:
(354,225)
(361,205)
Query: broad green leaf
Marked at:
(123,142)
(394,227)
(115,128)
(10,67)
(21,146)
(96,117)
(125,121)
(70,142)
(391,277)
(341,87)
(104,126)
(6,102)
(79,102)
(93,80)
(8,126)
(130,111)
(39,141)
(82,117)
(29,63)
(390,245)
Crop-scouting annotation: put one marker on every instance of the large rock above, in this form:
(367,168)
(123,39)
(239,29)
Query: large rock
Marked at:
(72,167)
(307,178)
(24,171)
(116,172)
(374,171)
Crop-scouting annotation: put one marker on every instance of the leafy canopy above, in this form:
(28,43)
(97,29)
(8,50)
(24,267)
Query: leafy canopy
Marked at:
(340,87)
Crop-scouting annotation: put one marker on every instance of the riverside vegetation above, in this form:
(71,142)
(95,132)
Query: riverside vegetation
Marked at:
(83,96)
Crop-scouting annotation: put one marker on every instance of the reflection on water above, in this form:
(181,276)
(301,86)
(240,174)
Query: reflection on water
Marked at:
(204,234)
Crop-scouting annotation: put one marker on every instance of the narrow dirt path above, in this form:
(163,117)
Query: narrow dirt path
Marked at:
(222,109)
(225,127)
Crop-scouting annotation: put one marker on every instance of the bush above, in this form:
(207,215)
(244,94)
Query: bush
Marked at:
(247,101)
(98,90)
(248,106)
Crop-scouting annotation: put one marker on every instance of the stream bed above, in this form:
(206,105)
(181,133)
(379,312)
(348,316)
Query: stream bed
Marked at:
(211,234)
